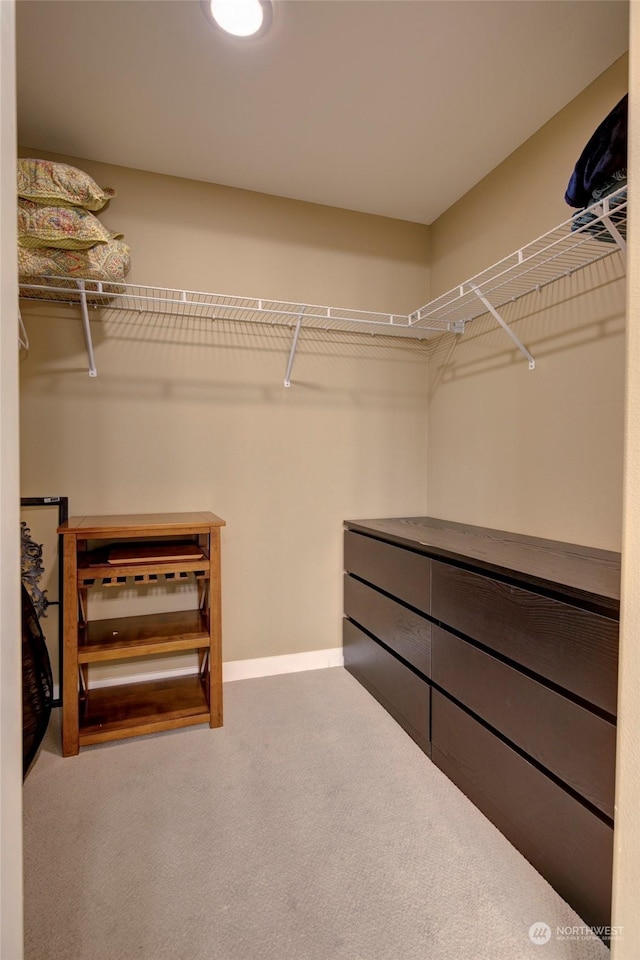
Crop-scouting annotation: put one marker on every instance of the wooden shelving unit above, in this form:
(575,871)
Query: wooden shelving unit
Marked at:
(139,550)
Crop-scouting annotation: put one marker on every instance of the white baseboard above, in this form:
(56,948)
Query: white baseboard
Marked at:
(243,669)
(286,663)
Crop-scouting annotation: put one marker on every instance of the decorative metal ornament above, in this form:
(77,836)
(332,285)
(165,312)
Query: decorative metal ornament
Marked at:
(32,570)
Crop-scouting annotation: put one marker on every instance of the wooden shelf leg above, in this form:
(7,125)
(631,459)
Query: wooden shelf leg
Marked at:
(215,631)
(70,717)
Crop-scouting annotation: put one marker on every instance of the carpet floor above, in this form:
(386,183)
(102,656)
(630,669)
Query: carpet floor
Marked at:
(309,827)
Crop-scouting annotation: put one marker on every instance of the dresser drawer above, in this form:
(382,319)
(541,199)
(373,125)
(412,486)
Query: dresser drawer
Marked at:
(400,572)
(567,843)
(570,741)
(406,632)
(572,647)
(400,691)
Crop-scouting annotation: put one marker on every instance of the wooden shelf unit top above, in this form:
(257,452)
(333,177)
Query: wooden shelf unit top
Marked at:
(140,525)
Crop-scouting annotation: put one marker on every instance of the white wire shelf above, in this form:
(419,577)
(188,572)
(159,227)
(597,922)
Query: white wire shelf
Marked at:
(556,254)
(585,238)
(215,306)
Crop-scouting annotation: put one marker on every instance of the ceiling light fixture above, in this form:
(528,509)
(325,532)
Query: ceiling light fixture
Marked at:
(240,18)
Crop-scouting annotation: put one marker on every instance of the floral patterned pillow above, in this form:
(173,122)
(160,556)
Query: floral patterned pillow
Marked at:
(70,228)
(108,262)
(60,185)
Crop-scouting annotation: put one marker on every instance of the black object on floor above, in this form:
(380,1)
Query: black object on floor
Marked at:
(37,683)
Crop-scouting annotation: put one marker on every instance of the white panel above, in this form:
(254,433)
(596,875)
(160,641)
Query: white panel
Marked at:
(11,938)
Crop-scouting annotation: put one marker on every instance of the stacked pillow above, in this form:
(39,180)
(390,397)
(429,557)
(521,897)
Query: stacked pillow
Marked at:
(58,234)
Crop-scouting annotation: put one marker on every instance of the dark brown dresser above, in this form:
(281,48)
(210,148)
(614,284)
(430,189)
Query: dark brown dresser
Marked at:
(498,654)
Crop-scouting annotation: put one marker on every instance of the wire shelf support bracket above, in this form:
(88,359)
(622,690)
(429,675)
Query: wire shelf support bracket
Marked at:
(87,328)
(294,345)
(505,326)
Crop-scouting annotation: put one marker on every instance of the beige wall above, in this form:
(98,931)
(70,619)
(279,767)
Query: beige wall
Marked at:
(536,452)
(188,415)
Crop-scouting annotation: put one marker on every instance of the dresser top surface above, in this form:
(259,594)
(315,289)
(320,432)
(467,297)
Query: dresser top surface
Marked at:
(577,571)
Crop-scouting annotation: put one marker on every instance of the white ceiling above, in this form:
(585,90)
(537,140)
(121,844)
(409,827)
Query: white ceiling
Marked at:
(392,107)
